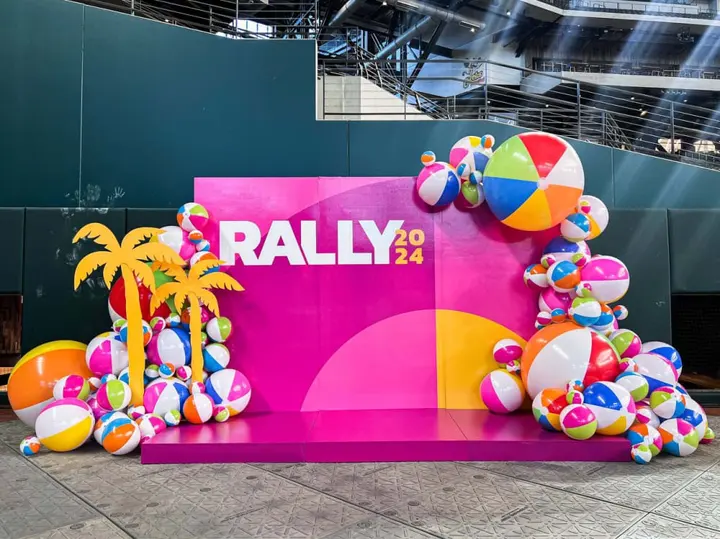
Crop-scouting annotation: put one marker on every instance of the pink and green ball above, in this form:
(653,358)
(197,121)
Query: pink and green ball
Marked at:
(192,216)
(626,342)
(578,422)
(219,329)
(641,453)
(71,386)
(667,402)
(647,435)
(114,395)
(679,437)
(635,383)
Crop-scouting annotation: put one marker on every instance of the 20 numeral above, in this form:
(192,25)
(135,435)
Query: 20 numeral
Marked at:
(415,238)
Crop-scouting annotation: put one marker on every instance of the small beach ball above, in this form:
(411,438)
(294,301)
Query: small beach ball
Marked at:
(620,312)
(114,395)
(103,421)
(506,351)
(533,181)
(546,408)
(667,402)
(626,342)
(566,351)
(152,372)
(122,333)
(438,184)
(177,239)
(657,370)
(646,416)
(30,446)
(203,256)
(172,418)
(543,319)
(157,324)
(164,395)
(709,436)
(221,414)
(171,345)
(585,311)
(563,276)
(612,405)
(641,453)
(574,397)
(183,373)
(198,408)
(635,384)
(550,299)
(71,386)
(608,276)
(428,158)
(472,194)
(216,357)
(501,391)
(166,370)
(192,216)
(468,155)
(95,407)
(578,422)
(120,436)
(134,412)
(645,434)
(150,425)
(606,324)
(597,213)
(106,355)
(695,415)
(219,329)
(65,424)
(229,388)
(666,351)
(561,249)
(679,437)
(535,277)
(195,236)
(558,316)
(575,227)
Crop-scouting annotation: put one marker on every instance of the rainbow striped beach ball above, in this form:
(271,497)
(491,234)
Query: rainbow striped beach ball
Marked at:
(695,415)
(219,329)
(533,181)
(563,276)
(438,184)
(612,405)
(192,216)
(641,453)
(65,424)
(216,357)
(657,370)
(102,422)
(150,425)
(469,155)
(608,277)
(626,342)
(646,434)
(113,395)
(229,388)
(106,355)
(679,437)
(578,422)
(635,383)
(667,402)
(547,406)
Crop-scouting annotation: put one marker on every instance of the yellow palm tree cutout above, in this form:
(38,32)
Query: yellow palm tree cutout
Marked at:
(194,286)
(130,257)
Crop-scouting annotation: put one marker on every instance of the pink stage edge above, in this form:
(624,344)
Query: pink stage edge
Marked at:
(376,436)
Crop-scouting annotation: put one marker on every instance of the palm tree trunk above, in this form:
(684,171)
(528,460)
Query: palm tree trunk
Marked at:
(136,350)
(196,359)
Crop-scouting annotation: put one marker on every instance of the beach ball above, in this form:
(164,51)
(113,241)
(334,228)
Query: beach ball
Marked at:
(667,402)
(612,405)
(472,194)
(558,315)
(152,372)
(197,387)
(116,299)
(641,453)
(229,388)
(183,373)
(550,300)
(657,370)
(566,351)
(501,391)
(535,277)
(543,319)
(120,436)
(646,416)
(679,437)
(578,422)
(620,312)
(695,415)
(438,184)
(30,446)
(468,155)
(203,256)
(135,412)
(626,342)
(597,213)
(561,249)
(33,379)
(106,355)
(215,357)
(709,436)
(546,408)
(221,414)
(585,311)
(205,317)
(122,332)
(648,435)
(97,410)
(192,216)
(103,421)
(198,408)
(219,329)
(177,239)
(533,181)
(172,418)
(171,345)
(507,350)
(428,158)
(608,276)
(666,351)
(65,424)
(575,227)
(574,397)
(166,370)
(606,323)
(114,395)
(563,276)
(195,237)
(71,386)
(635,384)
(164,395)
(150,425)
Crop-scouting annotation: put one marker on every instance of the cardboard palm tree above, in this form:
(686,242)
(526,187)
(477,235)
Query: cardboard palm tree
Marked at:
(130,257)
(194,286)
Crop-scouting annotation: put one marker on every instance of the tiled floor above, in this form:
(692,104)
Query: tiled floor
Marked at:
(89,494)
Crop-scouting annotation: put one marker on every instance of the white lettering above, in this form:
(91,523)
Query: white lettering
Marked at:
(281,231)
(381,241)
(346,254)
(230,246)
(308,240)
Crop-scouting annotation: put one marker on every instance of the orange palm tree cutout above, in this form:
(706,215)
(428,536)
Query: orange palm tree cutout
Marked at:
(194,286)
(129,257)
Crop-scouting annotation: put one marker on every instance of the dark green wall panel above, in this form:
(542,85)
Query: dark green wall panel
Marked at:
(151,217)
(40,64)
(640,239)
(12,223)
(52,309)
(695,250)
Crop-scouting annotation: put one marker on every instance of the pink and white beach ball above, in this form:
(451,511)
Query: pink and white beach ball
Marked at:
(608,277)
(502,392)
(171,345)
(229,388)
(164,395)
(106,355)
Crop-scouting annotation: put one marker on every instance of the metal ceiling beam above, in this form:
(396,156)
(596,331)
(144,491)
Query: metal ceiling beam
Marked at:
(404,38)
(439,13)
(426,53)
(350,7)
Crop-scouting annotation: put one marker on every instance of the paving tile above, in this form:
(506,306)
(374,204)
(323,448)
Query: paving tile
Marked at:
(377,527)
(100,528)
(697,503)
(12,432)
(657,527)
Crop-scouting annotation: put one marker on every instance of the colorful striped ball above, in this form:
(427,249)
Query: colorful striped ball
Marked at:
(164,395)
(551,300)
(645,434)
(184,373)
(134,412)
(578,422)
(608,276)
(563,276)
(506,351)
(195,236)
(166,370)
(667,402)
(585,311)
(646,416)
(65,424)
(620,312)
(468,155)
(542,320)
(229,388)
(198,408)
(501,392)
(561,249)
(71,386)
(597,212)
(172,418)
(438,184)
(150,425)
(201,256)
(612,405)
(120,436)
(546,408)
(658,371)
(157,324)
(635,383)
(106,355)
(641,453)
(679,437)
(216,357)
(626,342)
(607,323)
(709,436)
(575,227)
(221,414)
(428,158)
(574,397)
(97,410)
(103,421)
(152,372)
(535,277)
(171,345)
(30,446)
(192,216)
(219,329)
(122,332)
(114,395)
(695,415)
(666,351)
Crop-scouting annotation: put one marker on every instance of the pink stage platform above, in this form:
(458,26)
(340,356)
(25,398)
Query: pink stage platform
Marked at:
(375,436)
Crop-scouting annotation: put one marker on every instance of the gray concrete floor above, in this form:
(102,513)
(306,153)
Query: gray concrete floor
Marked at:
(89,494)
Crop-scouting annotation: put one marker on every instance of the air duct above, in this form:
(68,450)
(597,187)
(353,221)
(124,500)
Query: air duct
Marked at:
(404,38)
(437,13)
(345,11)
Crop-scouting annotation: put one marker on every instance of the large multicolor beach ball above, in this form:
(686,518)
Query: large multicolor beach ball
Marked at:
(33,379)
(575,227)
(65,424)
(665,350)
(597,213)
(150,425)
(657,370)
(546,407)
(192,216)
(608,277)
(626,342)
(164,395)
(612,405)
(563,276)
(561,249)
(695,415)
(72,386)
(104,420)
(438,184)
(219,329)
(171,345)
(229,388)
(113,395)
(667,402)
(501,391)
(578,422)
(116,299)
(585,311)
(120,436)
(679,437)
(106,355)
(469,155)
(566,351)
(634,383)
(198,408)
(640,433)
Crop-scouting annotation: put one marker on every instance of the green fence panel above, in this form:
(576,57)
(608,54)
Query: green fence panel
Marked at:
(12,223)
(695,251)
(151,217)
